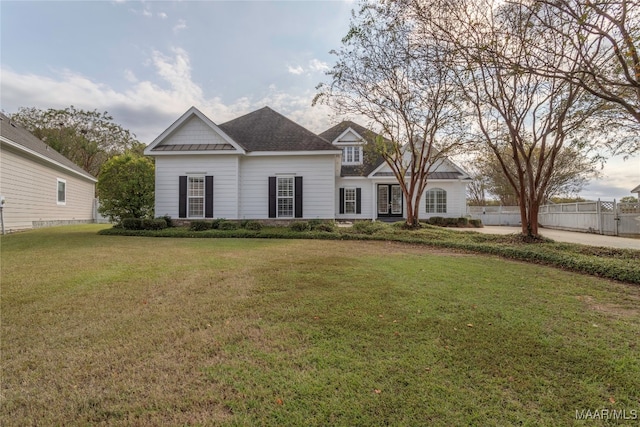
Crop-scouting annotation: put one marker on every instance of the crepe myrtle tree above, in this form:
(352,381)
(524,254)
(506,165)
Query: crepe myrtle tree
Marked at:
(524,119)
(401,85)
(126,187)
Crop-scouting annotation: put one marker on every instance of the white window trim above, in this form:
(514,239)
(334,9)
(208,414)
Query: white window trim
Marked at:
(58,181)
(353,149)
(353,200)
(292,197)
(436,205)
(189,197)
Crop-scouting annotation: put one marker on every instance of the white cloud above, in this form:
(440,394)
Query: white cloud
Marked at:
(317,65)
(147,13)
(295,70)
(162,15)
(181,25)
(147,108)
(129,76)
(313,66)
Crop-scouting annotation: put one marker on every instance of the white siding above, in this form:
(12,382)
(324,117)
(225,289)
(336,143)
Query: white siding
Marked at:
(349,137)
(30,187)
(318,172)
(366,197)
(456,199)
(194,131)
(225,188)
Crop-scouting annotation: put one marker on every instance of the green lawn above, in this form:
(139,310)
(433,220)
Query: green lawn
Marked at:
(173,331)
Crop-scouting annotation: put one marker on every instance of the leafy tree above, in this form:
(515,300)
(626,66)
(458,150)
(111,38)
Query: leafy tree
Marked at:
(629,199)
(404,90)
(126,187)
(571,173)
(88,138)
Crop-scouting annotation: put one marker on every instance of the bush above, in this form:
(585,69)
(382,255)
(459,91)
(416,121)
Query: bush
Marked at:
(324,226)
(368,227)
(154,224)
(477,223)
(215,224)
(463,221)
(168,220)
(132,224)
(228,225)
(300,226)
(253,225)
(200,225)
(436,220)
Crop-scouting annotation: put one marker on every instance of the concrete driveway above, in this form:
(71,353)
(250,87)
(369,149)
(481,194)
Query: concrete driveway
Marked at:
(567,236)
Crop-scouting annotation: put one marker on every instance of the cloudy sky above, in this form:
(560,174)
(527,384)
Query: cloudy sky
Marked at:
(147,62)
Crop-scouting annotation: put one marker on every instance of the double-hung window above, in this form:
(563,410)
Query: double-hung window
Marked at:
(62,191)
(195,197)
(436,200)
(285,196)
(351,155)
(349,200)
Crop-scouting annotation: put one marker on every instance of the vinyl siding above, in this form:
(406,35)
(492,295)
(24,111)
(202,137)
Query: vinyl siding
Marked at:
(225,188)
(318,174)
(30,187)
(195,131)
(366,197)
(456,199)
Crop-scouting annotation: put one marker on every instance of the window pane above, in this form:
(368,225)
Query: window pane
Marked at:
(61,192)
(350,200)
(436,201)
(196,187)
(285,207)
(356,154)
(285,187)
(196,207)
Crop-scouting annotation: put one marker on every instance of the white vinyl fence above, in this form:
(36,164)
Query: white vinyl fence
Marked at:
(601,217)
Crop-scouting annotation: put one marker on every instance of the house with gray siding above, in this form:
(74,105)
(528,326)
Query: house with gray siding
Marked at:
(40,186)
(264,166)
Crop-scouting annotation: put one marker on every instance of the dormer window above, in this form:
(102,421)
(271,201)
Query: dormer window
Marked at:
(352,155)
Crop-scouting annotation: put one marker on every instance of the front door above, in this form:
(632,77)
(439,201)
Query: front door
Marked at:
(389,200)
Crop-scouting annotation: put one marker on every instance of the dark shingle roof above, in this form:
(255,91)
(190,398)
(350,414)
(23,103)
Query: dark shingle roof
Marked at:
(28,141)
(371,160)
(267,130)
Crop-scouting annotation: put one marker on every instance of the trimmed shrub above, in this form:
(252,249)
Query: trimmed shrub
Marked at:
(436,220)
(369,227)
(200,225)
(132,224)
(477,223)
(300,226)
(154,224)
(168,220)
(324,226)
(463,221)
(228,225)
(215,224)
(253,225)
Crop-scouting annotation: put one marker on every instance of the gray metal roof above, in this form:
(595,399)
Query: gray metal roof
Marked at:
(432,175)
(194,147)
(25,139)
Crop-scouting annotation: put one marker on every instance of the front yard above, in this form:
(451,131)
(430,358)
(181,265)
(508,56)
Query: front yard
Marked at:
(172,331)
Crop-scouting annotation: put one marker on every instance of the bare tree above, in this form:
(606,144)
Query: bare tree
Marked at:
(525,119)
(602,38)
(402,85)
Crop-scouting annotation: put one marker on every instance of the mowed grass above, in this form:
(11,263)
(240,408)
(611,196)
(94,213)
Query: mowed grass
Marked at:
(110,330)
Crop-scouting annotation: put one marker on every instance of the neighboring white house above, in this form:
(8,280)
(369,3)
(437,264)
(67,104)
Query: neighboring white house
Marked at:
(40,186)
(265,166)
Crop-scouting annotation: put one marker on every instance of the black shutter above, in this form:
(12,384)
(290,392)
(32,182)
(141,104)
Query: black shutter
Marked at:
(208,196)
(182,197)
(342,200)
(272,197)
(298,197)
(358,200)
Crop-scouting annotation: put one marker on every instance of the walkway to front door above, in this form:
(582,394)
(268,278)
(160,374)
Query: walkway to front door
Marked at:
(389,200)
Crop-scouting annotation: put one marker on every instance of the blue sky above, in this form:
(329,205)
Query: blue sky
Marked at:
(148,62)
